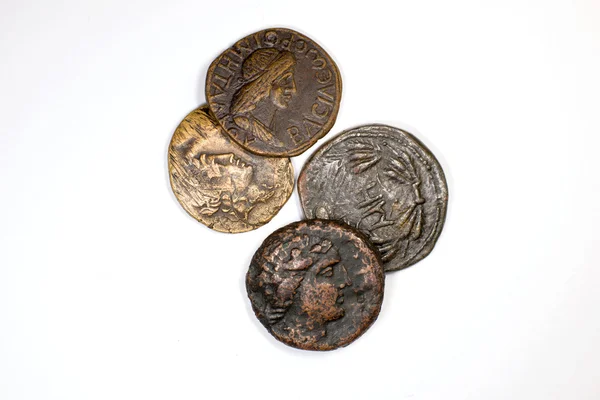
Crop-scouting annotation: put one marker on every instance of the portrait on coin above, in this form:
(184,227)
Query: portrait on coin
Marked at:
(268,85)
(309,279)
(220,184)
(274,92)
(316,285)
(223,182)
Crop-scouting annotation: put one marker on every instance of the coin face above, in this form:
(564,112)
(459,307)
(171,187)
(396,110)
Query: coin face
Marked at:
(275,92)
(316,285)
(384,182)
(219,183)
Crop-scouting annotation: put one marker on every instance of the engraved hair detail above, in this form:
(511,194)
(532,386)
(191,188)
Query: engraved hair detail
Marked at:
(221,182)
(260,72)
(285,268)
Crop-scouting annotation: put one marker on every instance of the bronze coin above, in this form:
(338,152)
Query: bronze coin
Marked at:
(276,92)
(384,182)
(316,285)
(219,183)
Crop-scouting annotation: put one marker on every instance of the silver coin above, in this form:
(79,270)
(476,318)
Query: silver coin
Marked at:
(384,182)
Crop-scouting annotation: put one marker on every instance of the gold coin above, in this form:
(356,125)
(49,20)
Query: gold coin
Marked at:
(219,183)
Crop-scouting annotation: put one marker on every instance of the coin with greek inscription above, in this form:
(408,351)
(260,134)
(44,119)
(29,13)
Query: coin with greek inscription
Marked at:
(316,285)
(219,183)
(275,92)
(384,182)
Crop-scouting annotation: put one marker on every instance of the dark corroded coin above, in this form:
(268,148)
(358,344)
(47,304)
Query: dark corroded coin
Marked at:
(316,285)
(219,183)
(383,181)
(276,92)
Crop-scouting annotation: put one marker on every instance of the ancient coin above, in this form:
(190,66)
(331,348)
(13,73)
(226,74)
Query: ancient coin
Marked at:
(384,182)
(219,183)
(316,285)
(276,92)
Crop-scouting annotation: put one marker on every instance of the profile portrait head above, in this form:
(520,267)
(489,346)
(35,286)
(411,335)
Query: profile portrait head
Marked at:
(267,74)
(306,274)
(223,182)
(213,183)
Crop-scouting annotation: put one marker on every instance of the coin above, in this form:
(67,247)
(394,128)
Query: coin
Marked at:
(219,183)
(276,92)
(384,182)
(316,285)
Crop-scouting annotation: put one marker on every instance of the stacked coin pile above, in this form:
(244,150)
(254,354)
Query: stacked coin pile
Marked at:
(374,197)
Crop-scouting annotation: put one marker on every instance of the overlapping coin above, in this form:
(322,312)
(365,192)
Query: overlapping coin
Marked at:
(219,183)
(275,92)
(384,182)
(316,285)
(375,197)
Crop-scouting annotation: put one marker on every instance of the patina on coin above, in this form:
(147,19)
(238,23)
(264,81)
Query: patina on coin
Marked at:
(276,92)
(384,182)
(316,285)
(219,183)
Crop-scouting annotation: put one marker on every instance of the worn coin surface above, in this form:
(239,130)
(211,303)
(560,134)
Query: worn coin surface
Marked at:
(384,182)
(276,92)
(316,285)
(219,183)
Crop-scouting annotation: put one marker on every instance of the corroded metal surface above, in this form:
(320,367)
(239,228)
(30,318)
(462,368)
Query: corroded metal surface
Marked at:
(276,92)
(219,183)
(384,182)
(316,285)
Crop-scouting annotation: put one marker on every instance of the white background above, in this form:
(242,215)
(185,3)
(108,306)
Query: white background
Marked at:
(109,290)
